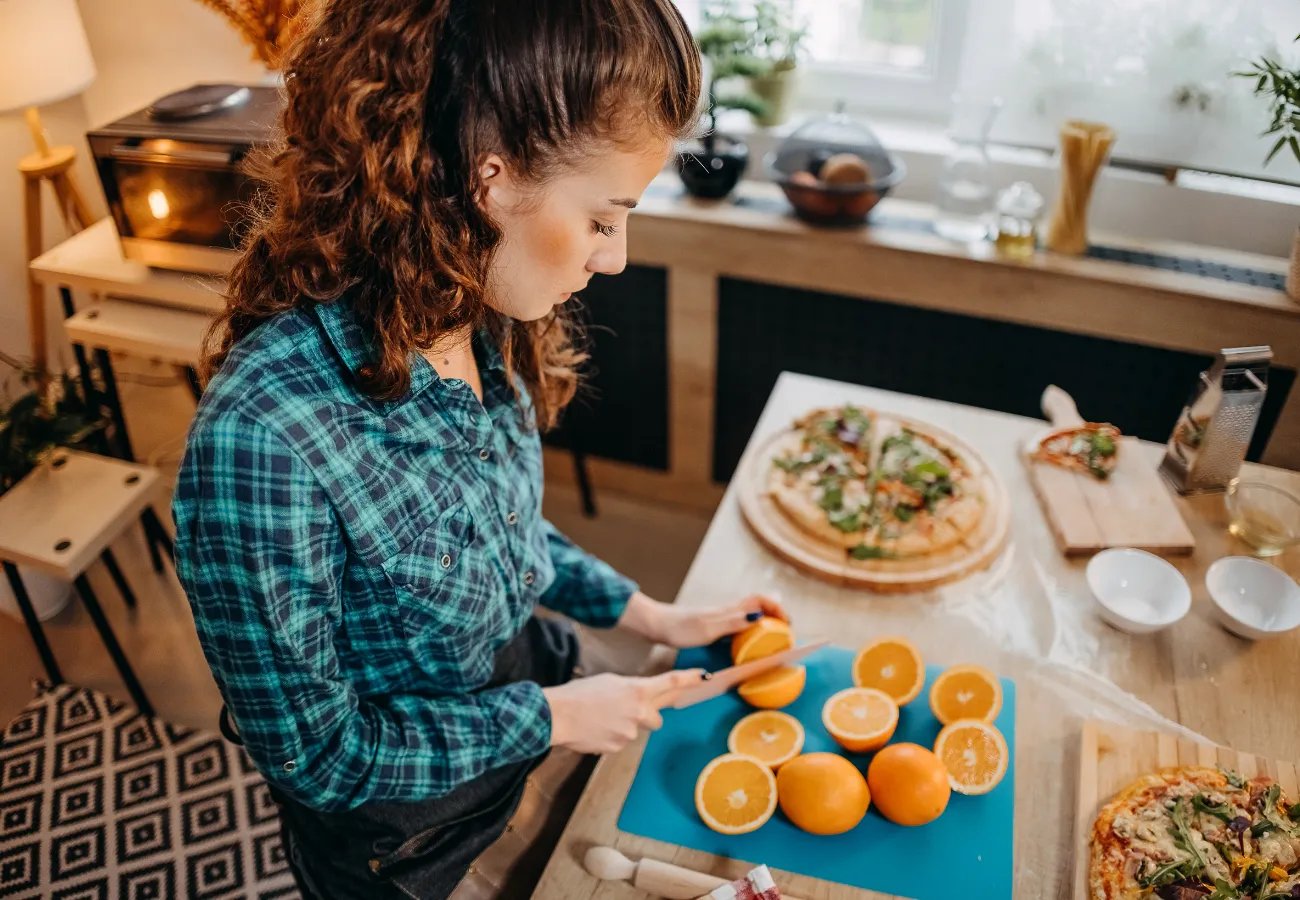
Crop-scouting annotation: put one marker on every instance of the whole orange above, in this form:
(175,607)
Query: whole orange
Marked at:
(909,784)
(822,793)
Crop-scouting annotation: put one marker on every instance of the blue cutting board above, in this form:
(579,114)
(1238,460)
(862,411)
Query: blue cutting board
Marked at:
(967,851)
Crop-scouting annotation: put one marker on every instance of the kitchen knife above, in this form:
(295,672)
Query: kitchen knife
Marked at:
(724,680)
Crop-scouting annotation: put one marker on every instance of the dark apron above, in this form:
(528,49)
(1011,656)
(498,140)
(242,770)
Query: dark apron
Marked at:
(423,849)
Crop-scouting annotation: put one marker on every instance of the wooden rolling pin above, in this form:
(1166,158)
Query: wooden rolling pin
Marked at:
(652,876)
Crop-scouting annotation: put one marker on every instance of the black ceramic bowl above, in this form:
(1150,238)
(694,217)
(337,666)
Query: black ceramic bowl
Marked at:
(833,204)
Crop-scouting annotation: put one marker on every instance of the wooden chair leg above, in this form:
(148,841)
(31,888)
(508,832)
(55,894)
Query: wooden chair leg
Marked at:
(157,536)
(584,484)
(118,579)
(192,377)
(33,623)
(114,648)
(114,403)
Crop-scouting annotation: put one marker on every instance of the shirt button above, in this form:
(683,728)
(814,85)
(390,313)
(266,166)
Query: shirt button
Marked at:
(529,578)
(289,766)
(512,518)
(446,560)
(484,454)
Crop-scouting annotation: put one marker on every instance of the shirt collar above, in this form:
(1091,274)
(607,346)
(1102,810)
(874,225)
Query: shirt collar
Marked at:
(356,346)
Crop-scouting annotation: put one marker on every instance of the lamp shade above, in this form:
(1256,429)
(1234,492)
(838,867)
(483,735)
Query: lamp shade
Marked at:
(44,55)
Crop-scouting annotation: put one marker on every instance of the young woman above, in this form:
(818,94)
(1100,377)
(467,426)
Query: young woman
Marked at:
(359,508)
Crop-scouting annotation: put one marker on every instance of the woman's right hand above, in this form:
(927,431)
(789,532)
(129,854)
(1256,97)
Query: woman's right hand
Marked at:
(605,713)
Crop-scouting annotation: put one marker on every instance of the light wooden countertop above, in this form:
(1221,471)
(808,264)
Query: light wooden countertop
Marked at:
(1028,618)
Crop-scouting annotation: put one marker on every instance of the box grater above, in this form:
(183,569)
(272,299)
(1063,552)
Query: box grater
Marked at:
(1214,429)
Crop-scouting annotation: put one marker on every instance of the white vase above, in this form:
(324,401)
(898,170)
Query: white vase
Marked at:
(49,595)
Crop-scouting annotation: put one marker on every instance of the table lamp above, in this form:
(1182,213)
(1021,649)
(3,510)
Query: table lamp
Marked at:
(44,58)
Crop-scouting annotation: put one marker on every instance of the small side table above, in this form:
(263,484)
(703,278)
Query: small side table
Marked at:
(60,519)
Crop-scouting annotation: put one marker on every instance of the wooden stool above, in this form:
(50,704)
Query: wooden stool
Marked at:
(60,519)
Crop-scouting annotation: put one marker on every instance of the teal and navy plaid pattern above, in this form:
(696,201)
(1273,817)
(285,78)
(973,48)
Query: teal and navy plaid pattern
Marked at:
(353,565)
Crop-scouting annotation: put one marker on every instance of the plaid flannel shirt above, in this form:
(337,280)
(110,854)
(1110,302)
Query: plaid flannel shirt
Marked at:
(353,565)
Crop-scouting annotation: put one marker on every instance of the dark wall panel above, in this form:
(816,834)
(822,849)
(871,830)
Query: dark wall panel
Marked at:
(622,410)
(764,329)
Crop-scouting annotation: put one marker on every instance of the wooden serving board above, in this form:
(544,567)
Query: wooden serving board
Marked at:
(1112,757)
(820,560)
(1134,507)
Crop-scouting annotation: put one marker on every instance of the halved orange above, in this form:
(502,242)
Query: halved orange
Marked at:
(893,665)
(775,689)
(735,794)
(975,755)
(766,636)
(860,719)
(773,737)
(966,692)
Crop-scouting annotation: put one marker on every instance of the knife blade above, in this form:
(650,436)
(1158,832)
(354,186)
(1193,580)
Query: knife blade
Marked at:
(724,680)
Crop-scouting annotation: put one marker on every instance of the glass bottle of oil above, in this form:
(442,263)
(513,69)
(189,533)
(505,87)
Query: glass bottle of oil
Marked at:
(1018,210)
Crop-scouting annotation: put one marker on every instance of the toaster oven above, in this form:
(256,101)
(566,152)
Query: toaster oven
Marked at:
(172,173)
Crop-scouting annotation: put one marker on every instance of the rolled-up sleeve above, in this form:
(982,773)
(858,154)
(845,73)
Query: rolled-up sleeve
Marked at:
(261,556)
(585,588)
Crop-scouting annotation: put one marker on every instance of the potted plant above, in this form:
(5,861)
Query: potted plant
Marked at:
(1281,85)
(50,412)
(726,42)
(778,42)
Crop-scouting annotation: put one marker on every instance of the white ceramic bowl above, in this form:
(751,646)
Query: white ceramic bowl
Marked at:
(1252,598)
(1137,591)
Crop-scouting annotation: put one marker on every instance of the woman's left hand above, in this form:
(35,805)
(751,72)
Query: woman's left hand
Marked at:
(679,627)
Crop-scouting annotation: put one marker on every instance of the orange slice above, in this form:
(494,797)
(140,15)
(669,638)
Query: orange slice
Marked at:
(772,737)
(735,794)
(975,755)
(823,793)
(966,692)
(893,665)
(775,689)
(860,719)
(766,636)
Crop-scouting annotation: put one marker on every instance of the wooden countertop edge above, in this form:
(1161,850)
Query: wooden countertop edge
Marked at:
(664,204)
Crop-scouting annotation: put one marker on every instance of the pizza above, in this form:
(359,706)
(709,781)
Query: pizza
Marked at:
(876,490)
(1092,447)
(1196,833)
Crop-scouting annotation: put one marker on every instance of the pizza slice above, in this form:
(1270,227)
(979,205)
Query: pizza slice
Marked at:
(921,502)
(1092,447)
(819,477)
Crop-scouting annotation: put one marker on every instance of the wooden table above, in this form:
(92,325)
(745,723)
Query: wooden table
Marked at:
(1029,617)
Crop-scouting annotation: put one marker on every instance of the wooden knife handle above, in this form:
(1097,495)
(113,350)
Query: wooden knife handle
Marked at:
(1059,408)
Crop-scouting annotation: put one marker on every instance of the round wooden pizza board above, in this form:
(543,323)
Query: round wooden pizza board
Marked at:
(791,543)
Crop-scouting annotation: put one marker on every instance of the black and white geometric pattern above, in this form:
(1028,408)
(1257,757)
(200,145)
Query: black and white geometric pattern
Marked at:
(98,802)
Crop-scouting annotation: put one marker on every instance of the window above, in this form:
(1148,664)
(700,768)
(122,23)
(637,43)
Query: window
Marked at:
(900,56)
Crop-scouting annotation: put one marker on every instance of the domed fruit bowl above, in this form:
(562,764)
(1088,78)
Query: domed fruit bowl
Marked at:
(834,170)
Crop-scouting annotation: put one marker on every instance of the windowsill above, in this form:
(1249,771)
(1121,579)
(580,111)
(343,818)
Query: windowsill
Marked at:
(907,137)
(1197,207)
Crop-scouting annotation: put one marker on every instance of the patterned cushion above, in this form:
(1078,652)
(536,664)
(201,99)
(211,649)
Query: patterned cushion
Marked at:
(98,801)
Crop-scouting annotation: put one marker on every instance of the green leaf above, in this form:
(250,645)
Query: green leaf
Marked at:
(847,521)
(866,551)
(832,498)
(904,513)
(1221,811)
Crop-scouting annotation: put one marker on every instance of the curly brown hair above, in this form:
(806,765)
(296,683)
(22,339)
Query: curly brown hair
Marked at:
(370,191)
